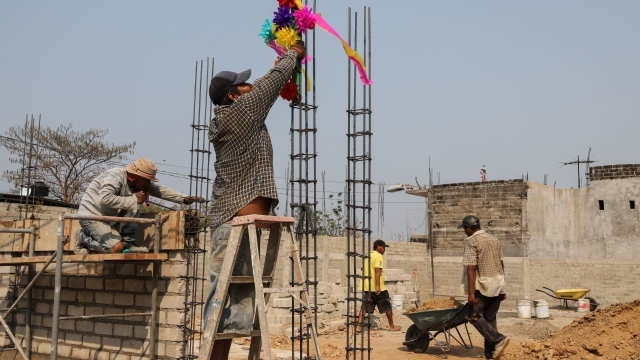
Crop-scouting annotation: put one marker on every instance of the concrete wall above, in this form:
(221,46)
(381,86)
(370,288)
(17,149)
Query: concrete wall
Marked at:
(568,223)
(498,204)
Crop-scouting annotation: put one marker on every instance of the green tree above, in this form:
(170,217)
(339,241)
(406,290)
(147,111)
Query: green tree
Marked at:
(65,160)
(333,222)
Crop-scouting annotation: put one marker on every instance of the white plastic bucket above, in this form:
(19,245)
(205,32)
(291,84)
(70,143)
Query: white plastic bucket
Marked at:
(584,305)
(524,308)
(542,309)
(397,301)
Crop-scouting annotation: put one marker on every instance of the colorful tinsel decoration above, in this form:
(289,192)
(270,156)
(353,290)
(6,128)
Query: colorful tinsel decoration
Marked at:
(290,21)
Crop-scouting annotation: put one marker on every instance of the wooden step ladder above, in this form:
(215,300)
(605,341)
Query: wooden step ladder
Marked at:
(262,280)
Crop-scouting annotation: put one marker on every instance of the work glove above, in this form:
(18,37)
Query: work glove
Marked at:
(188,200)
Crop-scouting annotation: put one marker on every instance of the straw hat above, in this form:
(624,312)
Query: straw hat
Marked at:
(144,168)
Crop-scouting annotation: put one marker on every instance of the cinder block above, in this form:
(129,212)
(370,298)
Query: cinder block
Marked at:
(171,302)
(169,334)
(131,345)
(123,330)
(111,344)
(143,300)
(104,298)
(173,350)
(99,355)
(103,328)
(113,284)
(84,326)
(44,348)
(134,285)
(95,283)
(140,332)
(81,353)
(74,310)
(64,350)
(86,297)
(76,282)
(43,308)
(124,299)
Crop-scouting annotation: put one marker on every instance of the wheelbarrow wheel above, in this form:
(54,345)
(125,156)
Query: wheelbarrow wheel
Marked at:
(593,305)
(416,340)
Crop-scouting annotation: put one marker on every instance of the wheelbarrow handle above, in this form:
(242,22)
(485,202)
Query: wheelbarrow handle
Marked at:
(553,291)
(546,293)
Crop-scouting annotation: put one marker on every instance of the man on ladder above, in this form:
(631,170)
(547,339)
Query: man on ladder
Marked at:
(244,183)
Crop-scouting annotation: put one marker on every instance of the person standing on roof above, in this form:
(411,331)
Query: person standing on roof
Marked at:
(120,192)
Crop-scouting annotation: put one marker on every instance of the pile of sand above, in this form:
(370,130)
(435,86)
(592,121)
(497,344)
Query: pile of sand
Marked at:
(434,304)
(610,333)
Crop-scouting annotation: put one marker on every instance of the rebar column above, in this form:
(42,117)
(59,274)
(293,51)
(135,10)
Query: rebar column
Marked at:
(195,218)
(358,190)
(303,184)
(56,292)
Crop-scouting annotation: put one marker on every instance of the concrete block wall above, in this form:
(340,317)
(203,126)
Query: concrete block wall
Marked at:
(109,288)
(498,204)
(610,172)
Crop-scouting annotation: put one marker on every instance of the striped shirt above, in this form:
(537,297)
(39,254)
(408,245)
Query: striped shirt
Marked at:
(484,251)
(244,154)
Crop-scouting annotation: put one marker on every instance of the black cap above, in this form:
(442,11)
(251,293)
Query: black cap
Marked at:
(222,83)
(469,220)
(379,243)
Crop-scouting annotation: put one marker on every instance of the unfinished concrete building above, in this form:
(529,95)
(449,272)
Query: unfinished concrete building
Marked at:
(558,238)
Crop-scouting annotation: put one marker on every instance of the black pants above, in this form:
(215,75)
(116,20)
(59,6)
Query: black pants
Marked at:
(482,315)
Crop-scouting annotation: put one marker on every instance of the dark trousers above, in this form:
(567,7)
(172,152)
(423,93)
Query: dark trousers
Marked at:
(482,315)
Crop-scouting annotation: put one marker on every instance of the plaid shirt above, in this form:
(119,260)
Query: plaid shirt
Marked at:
(484,251)
(244,154)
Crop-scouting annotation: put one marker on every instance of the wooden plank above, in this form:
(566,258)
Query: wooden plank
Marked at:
(90,258)
(260,303)
(223,336)
(262,221)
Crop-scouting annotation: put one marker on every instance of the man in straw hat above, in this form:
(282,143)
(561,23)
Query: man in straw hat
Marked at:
(244,183)
(120,192)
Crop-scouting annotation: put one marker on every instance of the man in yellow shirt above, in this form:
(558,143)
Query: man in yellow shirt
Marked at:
(372,284)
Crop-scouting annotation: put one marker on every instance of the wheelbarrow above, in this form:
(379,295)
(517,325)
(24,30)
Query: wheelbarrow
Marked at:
(427,325)
(570,297)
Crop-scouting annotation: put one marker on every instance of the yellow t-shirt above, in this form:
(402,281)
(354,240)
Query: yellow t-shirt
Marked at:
(375,261)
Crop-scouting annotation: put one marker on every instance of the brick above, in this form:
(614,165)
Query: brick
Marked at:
(104,298)
(76,282)
(134,285)
(113,284)
(84,326)
(73,310)
(124,299)
(86,296)
(132,345)
(91,341)
(81,353)
(126,269)
(171,302)
(109,343)
(143,300)
(73,339)
(95,283)
(140,332)
(99,355)
(103,328)
(64,350)
(123,330)
(43,308)
(44,348)
(169,334)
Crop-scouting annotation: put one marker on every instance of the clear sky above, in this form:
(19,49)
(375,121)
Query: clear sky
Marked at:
(516,86)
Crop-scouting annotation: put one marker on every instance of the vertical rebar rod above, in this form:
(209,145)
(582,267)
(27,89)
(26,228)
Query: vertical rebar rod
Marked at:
(57,289)
(153,328)
(24,161)
(31,270)
(351,304)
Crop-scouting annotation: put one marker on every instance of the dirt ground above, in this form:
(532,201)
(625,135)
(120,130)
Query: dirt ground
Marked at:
(388,344)
(609,333)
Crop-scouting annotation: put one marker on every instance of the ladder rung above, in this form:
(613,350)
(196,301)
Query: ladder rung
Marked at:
(222,336)
(262,220)
(284,290)
(248,279)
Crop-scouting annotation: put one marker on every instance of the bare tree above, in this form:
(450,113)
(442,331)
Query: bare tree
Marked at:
(67,160)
